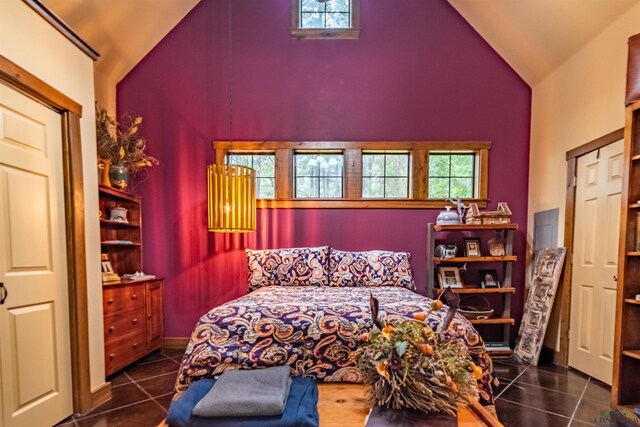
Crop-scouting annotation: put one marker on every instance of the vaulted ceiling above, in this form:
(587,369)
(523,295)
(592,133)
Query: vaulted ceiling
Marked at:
(533,36)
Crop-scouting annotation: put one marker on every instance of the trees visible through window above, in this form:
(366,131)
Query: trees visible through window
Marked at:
(363,174)
(318,175)
(265,166)
(325,19)
(451,175)
(385,176)
(325,13)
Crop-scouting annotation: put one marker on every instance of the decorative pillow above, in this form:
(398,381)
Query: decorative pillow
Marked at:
(288,267)
(373,268)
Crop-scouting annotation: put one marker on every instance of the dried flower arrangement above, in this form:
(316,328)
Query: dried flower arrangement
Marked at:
(120,144)
(409,365)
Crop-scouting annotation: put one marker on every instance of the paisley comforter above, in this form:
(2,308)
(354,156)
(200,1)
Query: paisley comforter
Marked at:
(313,329)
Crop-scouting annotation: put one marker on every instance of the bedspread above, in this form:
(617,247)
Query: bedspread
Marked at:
(310,328)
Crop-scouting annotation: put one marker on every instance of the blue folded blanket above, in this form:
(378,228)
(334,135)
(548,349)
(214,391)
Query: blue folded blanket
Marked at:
(247,393)
(301,409)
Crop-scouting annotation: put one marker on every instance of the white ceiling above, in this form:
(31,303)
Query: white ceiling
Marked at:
(121,31)
(537,36)
(533,36)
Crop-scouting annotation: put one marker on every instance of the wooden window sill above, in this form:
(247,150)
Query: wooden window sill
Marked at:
(325,33)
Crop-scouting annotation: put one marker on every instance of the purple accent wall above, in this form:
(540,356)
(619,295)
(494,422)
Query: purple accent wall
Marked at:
(418,72)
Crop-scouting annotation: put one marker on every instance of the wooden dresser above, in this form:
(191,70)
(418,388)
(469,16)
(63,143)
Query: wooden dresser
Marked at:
(133,323)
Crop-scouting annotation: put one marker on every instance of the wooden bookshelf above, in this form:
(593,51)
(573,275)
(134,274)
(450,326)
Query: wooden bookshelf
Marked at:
(508,258)
(476,290)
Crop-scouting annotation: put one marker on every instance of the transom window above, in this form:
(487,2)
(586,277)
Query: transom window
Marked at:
(318,175)
(325,19)
(363,174)
(265,166)
(325,13)
(451,175)
(385,175)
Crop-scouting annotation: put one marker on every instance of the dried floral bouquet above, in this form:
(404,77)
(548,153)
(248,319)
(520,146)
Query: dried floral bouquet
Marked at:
(409,365)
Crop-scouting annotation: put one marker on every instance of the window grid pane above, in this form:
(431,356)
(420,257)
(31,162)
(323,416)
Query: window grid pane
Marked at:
(327,14)
(385,176)
(318,175)
(264,165)
(451,175)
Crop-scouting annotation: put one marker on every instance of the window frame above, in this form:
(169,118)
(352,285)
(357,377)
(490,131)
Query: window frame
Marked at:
(384,176)
(474,176)
(317,153)
(352,170)
(352,33)
(253,153)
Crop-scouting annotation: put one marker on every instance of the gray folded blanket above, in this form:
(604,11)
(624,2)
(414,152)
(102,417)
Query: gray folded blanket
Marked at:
(247,393)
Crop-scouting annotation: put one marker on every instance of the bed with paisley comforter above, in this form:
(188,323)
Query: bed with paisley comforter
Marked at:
(298,314)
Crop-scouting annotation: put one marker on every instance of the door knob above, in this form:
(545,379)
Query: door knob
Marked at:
(3,293)
(615,278)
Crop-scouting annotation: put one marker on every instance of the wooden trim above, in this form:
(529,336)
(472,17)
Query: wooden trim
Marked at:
(352,173)
(352,151)
(359,203)
(565,290)
(284,175)
(483,190)
(569,225)
(420,173)
(28,84)
(57,23)
(101,394)
(176,343)
(76,261)
(597,143)
(21,80)
(352,33)
(239,146)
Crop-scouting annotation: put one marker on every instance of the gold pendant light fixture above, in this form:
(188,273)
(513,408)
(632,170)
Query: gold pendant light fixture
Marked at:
(231,189)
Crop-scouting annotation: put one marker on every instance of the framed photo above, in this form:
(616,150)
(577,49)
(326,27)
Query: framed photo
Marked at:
(106,264)
(472,248)
(489,279)
(449,277)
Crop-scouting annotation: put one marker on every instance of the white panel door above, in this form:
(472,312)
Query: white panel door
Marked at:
(35,367)
(595,261)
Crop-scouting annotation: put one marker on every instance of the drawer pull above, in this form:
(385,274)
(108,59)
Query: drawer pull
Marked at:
(134,321)
(110,301)
(111,328)
(134,297)
(135,345)
(112,356)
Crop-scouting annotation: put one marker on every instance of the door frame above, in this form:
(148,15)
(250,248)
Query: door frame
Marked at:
(562,356)
(26,83)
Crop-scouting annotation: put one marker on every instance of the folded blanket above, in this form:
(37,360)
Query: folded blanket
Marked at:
(301,409)
(247,393)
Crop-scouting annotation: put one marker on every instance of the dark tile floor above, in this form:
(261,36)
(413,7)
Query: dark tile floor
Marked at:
(527,396)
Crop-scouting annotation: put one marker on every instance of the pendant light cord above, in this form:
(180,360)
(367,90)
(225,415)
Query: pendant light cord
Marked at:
(230,89)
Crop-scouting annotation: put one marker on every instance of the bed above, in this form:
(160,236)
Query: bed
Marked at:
(312,328)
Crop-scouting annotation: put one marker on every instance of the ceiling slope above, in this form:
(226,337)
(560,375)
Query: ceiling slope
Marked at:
(537,36)
(122,31)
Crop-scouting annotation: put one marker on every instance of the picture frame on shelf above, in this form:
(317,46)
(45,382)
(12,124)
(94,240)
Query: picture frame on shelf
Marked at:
(489,279)
(106,263)
(496,246)
(449,277)
(472,248)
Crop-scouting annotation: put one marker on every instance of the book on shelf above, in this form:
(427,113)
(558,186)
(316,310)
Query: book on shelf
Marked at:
(120,242)
(138,275)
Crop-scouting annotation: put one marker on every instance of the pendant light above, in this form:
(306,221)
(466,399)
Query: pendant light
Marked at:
(231,189)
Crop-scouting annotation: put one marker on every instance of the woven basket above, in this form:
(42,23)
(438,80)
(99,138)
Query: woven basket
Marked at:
(475,311)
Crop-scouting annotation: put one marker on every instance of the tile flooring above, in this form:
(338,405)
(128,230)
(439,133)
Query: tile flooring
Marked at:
(544,396)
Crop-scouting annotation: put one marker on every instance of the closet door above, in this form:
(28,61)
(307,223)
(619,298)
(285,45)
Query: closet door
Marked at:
(595,261)
(35,367)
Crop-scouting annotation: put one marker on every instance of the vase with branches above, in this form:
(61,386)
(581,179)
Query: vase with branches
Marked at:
(121,147)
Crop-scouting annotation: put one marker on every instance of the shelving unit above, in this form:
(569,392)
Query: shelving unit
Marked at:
(434,237)
(133,309)
(625,390)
